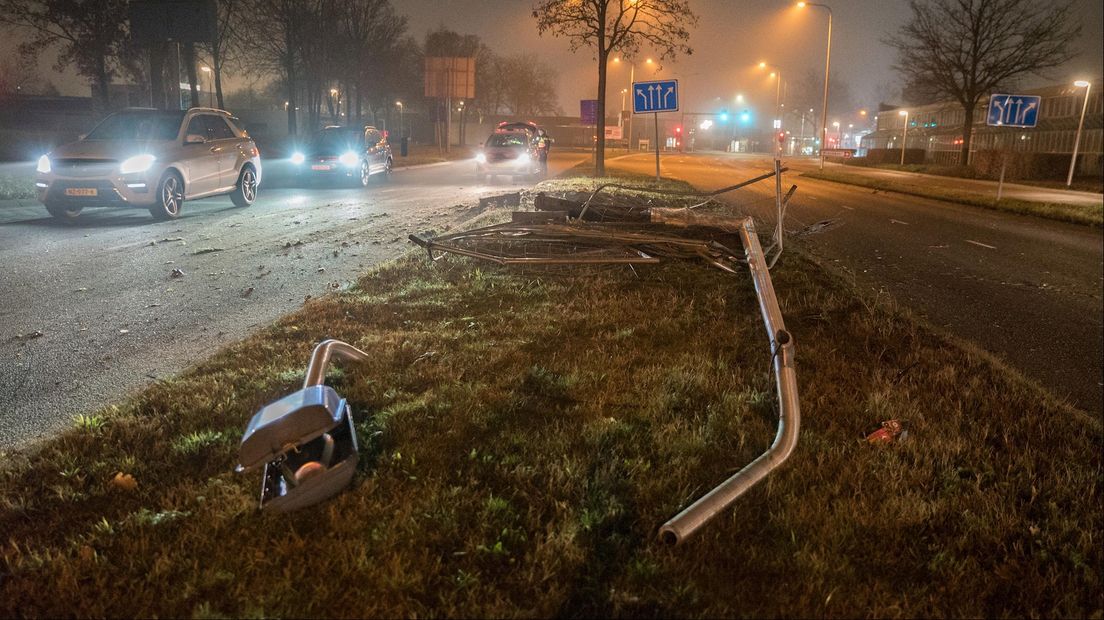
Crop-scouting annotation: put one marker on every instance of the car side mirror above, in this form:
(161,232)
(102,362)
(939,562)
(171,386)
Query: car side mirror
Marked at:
(194,138)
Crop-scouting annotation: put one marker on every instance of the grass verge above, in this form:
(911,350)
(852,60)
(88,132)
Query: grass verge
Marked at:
(523,435)
(1091,216)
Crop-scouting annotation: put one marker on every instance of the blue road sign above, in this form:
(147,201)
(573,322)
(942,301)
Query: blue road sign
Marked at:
(1013,110)
(588,111)
(657,96)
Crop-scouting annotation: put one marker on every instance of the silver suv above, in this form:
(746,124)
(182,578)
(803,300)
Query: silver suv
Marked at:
(154,159)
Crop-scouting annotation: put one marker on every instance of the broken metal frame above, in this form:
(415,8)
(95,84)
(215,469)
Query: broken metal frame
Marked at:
(687,522)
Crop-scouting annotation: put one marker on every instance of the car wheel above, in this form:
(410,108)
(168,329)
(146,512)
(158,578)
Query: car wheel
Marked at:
(365,174)
(170,196)
(388,168)
(63,213)
(246,191)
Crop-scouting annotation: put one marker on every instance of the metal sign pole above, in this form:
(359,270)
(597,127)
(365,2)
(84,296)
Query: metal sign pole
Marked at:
(657,143)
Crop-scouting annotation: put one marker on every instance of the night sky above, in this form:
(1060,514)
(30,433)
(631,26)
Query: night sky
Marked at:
(731,38)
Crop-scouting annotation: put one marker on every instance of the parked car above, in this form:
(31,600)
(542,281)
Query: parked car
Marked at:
(509,153)
(346,153)
(536,133)
(153,159)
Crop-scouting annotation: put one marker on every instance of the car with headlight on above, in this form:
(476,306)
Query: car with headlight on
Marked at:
(152,159)
(509,153)
(341,153)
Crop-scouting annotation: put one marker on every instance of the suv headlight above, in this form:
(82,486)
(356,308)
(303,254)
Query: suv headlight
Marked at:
(480,158)
(523,158)
(349,159)
(138,163)
(298,158)
(43,165)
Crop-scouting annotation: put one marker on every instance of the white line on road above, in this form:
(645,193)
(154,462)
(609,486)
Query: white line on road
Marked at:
(893,221)
(984,245)
(848,208)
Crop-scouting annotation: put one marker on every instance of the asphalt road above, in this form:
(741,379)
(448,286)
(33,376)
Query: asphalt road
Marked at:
(90,312)
(1025,289)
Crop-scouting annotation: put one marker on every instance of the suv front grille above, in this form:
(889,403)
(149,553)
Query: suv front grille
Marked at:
(85,168)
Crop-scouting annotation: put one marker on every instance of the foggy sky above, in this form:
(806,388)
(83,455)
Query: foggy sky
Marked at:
(731,38)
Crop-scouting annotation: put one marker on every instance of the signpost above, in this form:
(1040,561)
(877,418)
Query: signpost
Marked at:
(1017,111)
(449,78)
(652,98)
(1013,110)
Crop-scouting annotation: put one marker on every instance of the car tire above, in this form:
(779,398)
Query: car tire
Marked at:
(170,197)
(245,192)
(388,169)
(365,175)
(63,213)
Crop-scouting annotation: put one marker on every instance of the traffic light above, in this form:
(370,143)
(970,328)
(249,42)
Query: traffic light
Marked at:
(678,130)
(781,137)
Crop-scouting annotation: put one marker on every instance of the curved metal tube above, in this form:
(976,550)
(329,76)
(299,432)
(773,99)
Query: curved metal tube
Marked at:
(320,359)
(687,522)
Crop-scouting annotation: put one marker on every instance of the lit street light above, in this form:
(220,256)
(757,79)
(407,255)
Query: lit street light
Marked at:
(827,67)
(632,78)
(1080,125)
(400,104)
(210,85)
(776,73)
(904,137)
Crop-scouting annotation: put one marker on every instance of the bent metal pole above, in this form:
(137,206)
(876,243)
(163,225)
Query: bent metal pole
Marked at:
(320,359)
(687,522)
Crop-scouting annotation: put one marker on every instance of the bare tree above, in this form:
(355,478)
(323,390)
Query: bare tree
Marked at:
(528,84)
(607,26)
(274,43)
(965,49)
(88,33)
(231,20)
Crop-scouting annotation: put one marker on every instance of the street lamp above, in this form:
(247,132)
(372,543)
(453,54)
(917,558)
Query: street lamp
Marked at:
(775,73)
(827,67)
(904,137)
(399,103)
(210,85)
(1077,141)
(632,78)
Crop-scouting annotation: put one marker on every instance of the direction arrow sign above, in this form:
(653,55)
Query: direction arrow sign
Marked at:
(656,96)
(1013,110)
(588,111)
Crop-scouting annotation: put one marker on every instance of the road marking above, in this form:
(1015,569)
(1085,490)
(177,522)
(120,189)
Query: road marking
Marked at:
(984,245)
(848,208)
(893,221)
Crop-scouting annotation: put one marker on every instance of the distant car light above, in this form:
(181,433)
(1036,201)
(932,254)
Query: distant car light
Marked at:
(138,163)
(480,158)
(349,158)
(43,165)
(298,158)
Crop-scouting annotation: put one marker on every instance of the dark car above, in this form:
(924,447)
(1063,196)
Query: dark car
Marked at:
(536,133)
(345,153)
(509,153)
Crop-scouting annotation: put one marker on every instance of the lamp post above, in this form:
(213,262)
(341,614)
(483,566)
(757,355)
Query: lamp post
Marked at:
(1080,125)
(827,67)
(210,86)
(400,104)
(904,137)
(632,78)
(776,73)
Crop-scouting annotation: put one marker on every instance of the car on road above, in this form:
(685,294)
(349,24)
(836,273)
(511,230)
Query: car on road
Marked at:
(345,153)
(536,134)
(514,153)
(152,159)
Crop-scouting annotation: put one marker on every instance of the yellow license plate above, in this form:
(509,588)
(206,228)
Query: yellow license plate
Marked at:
(320,167)
(80,191)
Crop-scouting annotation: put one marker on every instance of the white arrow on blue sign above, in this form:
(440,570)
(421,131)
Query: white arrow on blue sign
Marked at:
(655,96)
(1013,110)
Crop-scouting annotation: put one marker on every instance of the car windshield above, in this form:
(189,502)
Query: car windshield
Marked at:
(138,125)
(337,140)
(507,139)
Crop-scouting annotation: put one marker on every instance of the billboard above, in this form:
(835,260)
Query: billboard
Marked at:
(183,21)
(450,77)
